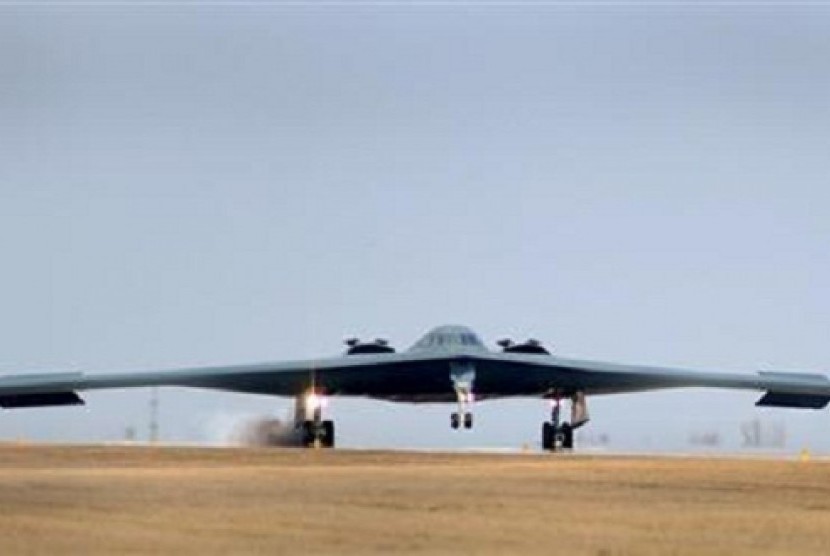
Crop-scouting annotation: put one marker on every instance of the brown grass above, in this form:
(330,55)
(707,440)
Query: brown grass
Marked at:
(114,500)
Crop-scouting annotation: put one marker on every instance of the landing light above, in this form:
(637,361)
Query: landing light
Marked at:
(314,401)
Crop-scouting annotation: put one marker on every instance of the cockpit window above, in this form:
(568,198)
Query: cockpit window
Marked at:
(470,340)
(449,337)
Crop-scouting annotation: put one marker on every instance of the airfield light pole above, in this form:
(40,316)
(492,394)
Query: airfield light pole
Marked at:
(154,415)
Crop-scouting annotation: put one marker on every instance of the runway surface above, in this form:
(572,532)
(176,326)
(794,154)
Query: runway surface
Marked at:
(166,500)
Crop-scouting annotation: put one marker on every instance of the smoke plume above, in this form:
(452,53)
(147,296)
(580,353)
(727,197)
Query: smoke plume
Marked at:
(264,431)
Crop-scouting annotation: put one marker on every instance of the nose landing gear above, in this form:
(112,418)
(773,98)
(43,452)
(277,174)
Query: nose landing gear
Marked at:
(462,376)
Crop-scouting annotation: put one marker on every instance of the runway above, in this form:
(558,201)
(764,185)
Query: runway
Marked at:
(175,500)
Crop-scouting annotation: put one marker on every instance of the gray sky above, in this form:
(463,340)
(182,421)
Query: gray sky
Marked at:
(203,185)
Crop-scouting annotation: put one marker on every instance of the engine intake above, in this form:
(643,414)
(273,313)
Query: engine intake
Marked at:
(530,346)
(379,345)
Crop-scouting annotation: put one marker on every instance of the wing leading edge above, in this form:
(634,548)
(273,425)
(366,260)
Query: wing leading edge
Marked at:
(419,376)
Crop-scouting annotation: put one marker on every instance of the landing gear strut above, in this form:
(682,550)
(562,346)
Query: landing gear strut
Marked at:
(313,430)
(558,436)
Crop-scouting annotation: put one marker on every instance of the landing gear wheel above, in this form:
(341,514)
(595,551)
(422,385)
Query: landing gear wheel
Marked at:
(327,436)
(312,432)
(307,434)
(455,420)
(468,420)
(567,436)
(558,439)
(547,436)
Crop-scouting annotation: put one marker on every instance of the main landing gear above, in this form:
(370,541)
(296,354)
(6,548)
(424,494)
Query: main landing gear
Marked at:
(558,436)
(313,431)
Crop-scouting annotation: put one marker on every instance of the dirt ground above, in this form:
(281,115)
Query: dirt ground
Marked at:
(146,500)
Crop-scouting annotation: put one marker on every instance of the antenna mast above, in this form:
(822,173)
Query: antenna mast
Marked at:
(154,415)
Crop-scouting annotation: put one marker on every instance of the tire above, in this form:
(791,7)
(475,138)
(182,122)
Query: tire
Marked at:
(558,439)
(567,436)
(307,434)
(327,439)
(547,436)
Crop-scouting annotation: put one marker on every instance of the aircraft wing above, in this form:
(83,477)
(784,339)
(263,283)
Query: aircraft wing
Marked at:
(356,375)
(568,376)
(421,377)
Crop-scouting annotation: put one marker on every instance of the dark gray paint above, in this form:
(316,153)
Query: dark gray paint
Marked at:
(421,374)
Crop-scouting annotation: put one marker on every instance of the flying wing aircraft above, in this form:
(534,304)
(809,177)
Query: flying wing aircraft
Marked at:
(448,364)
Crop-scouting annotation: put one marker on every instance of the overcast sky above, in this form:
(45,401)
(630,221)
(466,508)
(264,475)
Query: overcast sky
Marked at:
(190,185)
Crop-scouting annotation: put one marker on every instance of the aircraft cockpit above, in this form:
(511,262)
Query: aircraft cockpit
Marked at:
(449,338)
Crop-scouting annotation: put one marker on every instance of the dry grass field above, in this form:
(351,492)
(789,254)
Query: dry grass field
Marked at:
(144,500)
